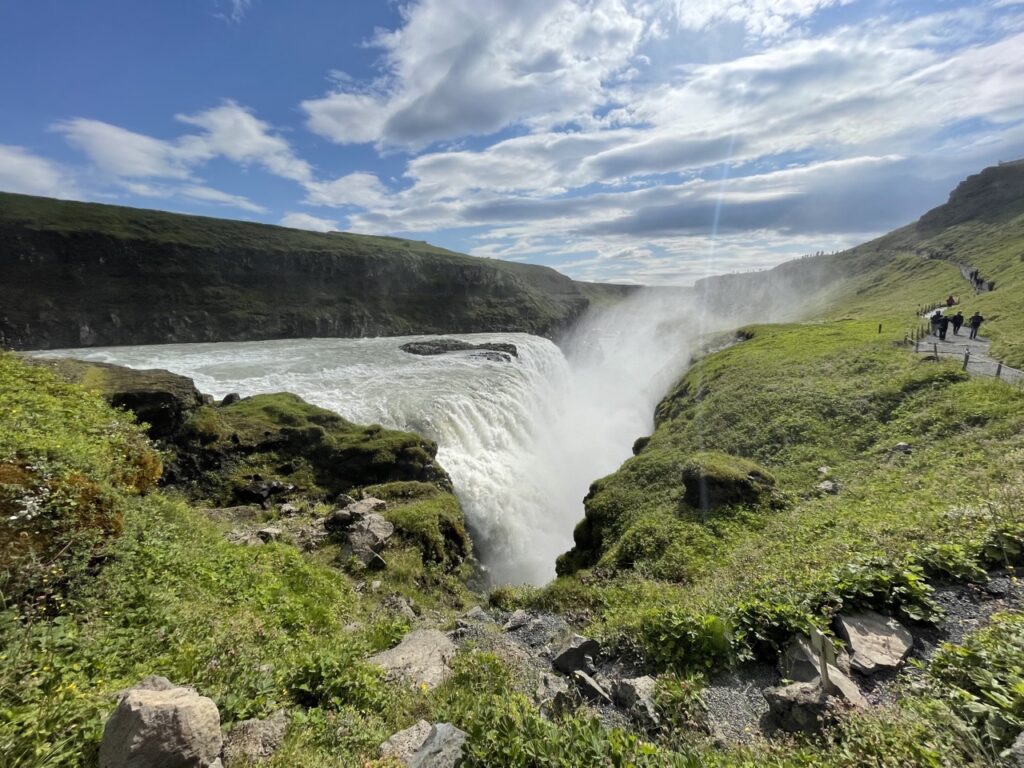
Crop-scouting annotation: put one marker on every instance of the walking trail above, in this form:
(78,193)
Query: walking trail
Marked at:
(979,361)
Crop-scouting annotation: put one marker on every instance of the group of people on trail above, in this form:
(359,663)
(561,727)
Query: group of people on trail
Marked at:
(980,283)
(941,323)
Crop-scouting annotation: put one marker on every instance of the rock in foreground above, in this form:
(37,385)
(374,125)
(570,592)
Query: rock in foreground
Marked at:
(420,659)
(876,642)
(161,725)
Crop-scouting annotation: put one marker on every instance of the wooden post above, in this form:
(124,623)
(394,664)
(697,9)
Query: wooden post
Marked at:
(879,327)
(826,656)
(999,369)
(935,345)
(967,356)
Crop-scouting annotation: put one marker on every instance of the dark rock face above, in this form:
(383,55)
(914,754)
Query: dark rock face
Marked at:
(81,274)
(442,346)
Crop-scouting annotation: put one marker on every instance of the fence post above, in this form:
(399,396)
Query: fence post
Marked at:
(936,347)
(999,369)
(967,356)
(879,327)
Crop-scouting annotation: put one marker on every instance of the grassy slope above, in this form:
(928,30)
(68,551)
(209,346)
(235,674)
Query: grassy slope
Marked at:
(694,588)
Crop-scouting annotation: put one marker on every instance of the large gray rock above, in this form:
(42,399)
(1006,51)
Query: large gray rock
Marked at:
(367,537)
(161,726)
(799,662)
(636,696)
(420,659)
(876,642)
(590,688)
(798,707)
(804,706)
(253,741)
(578,653)
(442,749)
(403,745)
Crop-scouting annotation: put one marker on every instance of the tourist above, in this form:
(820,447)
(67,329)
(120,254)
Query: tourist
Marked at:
(936,319)
(957,320)
(975,322)
(950,301)
(943,327)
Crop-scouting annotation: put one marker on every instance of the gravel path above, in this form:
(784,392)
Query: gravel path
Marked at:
(979,361)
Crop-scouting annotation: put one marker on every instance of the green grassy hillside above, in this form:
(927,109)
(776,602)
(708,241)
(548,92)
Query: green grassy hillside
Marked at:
(83,274)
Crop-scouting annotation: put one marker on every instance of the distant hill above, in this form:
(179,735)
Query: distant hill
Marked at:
(981,225)
(84,274)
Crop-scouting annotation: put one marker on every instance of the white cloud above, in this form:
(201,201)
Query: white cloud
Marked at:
(306,221)
(124,153)
(359,189)
(460,67)
(21,171)
(229,131)
(760,18)
(233,132)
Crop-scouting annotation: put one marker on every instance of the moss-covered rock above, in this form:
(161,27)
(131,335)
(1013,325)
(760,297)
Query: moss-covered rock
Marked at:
(713,479)
(266,444)
(161,400)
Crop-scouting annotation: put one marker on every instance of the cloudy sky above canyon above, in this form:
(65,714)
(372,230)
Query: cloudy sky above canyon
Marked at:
(650,141)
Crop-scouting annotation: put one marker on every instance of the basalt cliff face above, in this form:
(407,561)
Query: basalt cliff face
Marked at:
(82,274)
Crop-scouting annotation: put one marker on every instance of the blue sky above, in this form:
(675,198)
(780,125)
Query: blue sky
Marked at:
(648,141)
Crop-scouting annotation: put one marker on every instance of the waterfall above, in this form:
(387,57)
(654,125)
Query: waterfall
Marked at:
(522,440)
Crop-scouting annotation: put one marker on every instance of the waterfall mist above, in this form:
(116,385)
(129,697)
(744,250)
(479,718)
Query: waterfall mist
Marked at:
(522,440)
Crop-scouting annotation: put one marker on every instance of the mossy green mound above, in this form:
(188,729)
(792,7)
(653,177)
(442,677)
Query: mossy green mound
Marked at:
(230,452)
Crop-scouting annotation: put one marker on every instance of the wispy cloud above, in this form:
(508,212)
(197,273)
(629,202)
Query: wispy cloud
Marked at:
(22,171)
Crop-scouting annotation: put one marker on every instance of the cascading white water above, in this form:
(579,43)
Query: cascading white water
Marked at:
(522,440)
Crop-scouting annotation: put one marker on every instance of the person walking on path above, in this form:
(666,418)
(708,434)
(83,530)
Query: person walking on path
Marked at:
(943,327)
(950,301)
(975,322)
(957,320)
(935,319)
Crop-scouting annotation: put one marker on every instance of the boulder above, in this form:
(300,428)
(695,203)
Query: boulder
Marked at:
(549,686)
(252,741)
(159,724)
(519,618)
(402,746)
(636,696)
(828,486)
(590,688)
(798,707)
(578,653)
(799,662)
(367,536)
(804,707)
(876,642)
(442,749)
(269,534)
(420,659)
(902,448)
(364,507)
(338,520)
(230,398)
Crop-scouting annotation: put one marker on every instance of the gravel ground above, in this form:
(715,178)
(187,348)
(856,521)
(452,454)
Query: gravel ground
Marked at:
(736,709)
